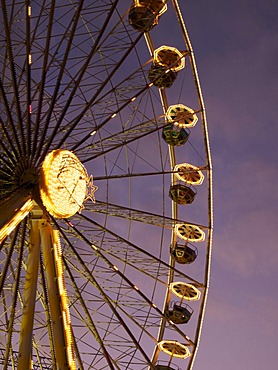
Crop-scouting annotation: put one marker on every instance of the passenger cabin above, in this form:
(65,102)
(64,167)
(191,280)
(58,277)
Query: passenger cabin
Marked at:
(184,254)
(180,314)
(141,18)
(182,194)
(144,14)
(175,136)
(161,76)
(163,367)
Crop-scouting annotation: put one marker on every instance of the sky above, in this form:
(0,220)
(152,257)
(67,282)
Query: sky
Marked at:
(236,46)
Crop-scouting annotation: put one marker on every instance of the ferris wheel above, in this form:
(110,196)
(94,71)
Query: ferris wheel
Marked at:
(105,187)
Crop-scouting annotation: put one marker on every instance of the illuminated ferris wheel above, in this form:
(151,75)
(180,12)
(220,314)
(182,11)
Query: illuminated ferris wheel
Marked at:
(105,187)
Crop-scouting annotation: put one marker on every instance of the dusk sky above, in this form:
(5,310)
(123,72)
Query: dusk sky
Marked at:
(236,46)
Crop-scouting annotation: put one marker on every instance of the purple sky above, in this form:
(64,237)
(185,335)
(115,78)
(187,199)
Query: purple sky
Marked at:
(236,46)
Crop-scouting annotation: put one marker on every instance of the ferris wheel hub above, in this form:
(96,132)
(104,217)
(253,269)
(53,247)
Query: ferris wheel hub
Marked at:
(29,177)
(63,183)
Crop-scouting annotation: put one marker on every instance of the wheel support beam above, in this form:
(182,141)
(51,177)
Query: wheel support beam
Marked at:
(29,301)
(64,355)
(43,238)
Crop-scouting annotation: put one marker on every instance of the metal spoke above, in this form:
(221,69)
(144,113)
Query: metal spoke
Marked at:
(91,326)
(15,300)
(43,77)
(18,150)
(106,299)
(73,21)
(13,74)
(135,215)
(120,139)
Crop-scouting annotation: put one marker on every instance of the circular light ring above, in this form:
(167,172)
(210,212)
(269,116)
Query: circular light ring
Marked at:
(189,232)
(185,291)
(181,116)
(188,173)
(63,183)
(169,57)
(174,348)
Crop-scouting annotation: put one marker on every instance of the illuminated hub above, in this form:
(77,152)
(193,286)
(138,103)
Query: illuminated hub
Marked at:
(63,183)
(24,176)
(29,177)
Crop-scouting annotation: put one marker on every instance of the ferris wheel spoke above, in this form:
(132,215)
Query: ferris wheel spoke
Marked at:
(13,73)
(76,81)
(28,76)
(131,175)
(18,150)
(143,174)
(123,95)
(122,138)
(41,88)
(49,51)
(112,269)
(7,169)
(139,294)
(6,258)
(15,297)
(115,101)
(11,152)
(126,347)
(91,326)
(74,22)
(135,214)
(92,102)
(113,105)
(131,254)
(126,49)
